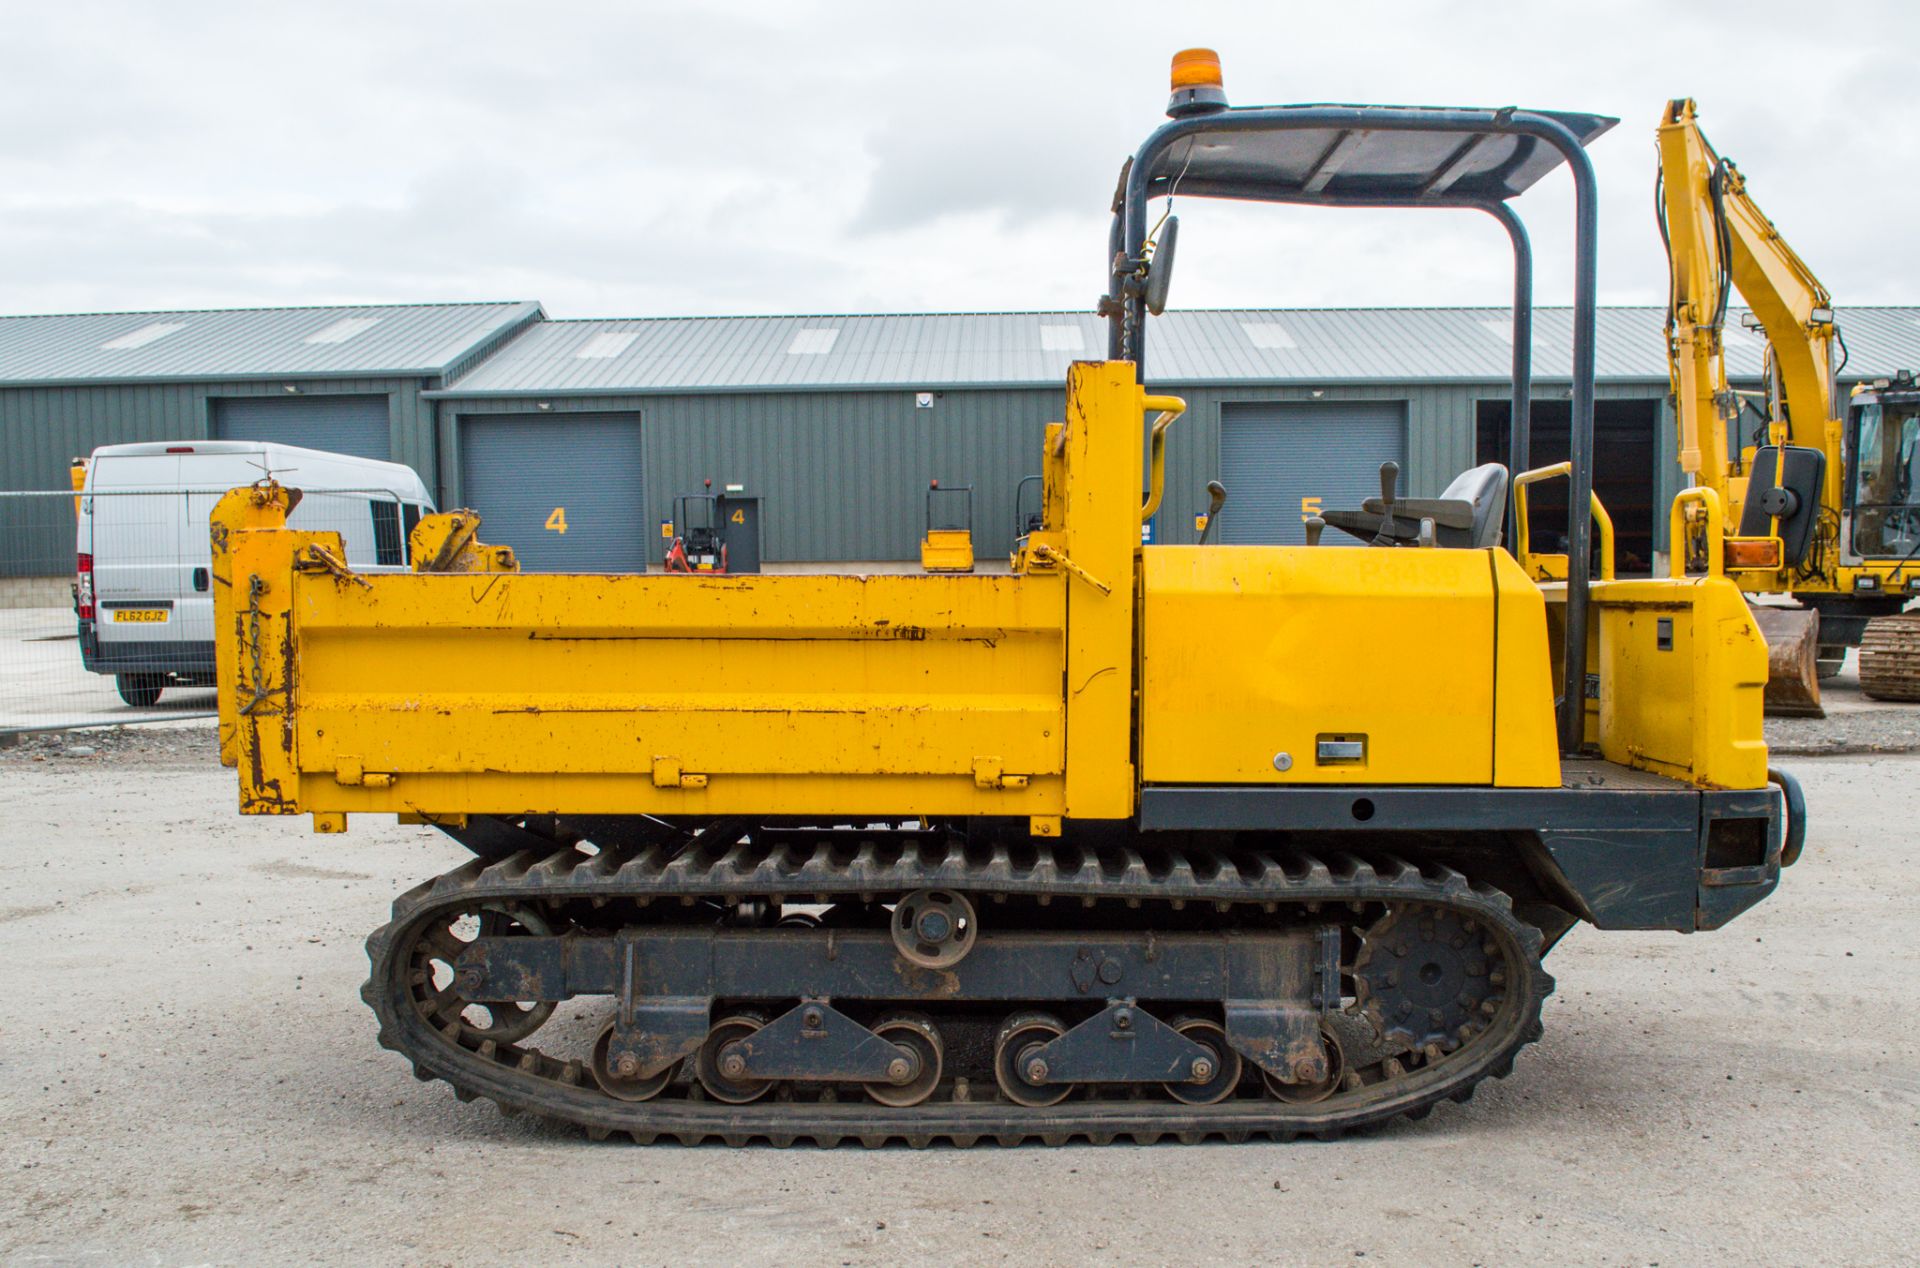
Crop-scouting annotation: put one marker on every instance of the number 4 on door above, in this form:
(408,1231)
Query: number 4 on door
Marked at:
(557,522)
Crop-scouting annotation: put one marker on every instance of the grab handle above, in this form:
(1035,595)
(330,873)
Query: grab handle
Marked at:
(1170,407)
(1522,543)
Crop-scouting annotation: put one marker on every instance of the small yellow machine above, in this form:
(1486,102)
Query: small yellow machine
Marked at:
(1130,841)
(949,548)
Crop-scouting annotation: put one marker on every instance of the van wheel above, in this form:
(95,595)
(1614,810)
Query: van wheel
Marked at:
(139,690)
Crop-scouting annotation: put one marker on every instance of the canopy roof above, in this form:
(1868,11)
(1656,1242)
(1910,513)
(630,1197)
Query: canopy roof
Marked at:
(1334,153)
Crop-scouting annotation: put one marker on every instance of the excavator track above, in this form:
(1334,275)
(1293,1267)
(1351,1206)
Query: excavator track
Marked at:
(1890,657)
(1384,1070)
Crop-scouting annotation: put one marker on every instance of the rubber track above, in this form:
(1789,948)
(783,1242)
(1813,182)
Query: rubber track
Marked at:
(1890,658)
(522,1079)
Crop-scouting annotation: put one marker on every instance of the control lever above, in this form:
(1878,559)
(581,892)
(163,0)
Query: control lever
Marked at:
(1315,527)
(1216,498)
(1389,477)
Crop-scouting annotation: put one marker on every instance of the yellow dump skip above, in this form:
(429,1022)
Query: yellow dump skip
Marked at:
(518,693)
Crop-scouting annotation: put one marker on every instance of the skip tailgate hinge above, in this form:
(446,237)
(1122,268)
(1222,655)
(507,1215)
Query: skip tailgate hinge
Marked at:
(667,774)
(988,773)
(351,772)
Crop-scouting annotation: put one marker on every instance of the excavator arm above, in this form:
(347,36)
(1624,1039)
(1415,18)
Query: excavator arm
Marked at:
(1719,240)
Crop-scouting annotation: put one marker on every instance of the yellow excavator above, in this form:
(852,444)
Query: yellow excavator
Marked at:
(1819,510)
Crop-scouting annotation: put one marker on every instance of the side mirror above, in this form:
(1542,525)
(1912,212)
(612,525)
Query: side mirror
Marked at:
(1160,272)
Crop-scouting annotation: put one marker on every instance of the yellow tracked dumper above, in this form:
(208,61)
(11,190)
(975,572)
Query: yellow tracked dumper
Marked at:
(1136,841)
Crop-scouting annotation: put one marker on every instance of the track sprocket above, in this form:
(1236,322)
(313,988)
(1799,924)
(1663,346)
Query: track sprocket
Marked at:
(1428,976)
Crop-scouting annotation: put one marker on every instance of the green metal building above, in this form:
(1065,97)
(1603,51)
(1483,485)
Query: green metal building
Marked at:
(573,437)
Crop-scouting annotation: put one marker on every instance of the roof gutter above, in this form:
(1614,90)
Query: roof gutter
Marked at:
(987,385)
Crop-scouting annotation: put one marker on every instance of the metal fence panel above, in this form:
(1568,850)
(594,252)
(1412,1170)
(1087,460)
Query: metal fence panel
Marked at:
(106,598)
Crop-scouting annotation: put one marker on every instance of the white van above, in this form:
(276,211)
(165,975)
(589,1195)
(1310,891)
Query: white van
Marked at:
(145,588)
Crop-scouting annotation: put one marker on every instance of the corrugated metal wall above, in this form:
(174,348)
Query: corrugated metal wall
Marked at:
(844,473)
(1439,439)
(41,429)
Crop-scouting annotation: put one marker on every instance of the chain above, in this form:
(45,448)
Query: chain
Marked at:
(255,588)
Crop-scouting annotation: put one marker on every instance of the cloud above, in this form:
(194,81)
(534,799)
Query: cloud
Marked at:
(627,158)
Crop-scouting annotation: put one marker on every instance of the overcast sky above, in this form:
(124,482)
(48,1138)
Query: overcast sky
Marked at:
(632,159)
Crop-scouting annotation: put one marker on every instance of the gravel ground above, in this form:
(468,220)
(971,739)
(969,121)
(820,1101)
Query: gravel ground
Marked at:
(159,745)
(1888,729)
(188,1077)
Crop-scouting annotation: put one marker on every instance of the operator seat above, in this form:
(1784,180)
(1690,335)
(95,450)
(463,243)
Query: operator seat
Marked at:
(1466,516)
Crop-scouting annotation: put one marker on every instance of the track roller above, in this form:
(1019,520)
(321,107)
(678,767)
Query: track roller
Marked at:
(713,1062)
(917,1035)
(1019,1073)
(1226,1065)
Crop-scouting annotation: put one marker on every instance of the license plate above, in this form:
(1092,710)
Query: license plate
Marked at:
(150,616)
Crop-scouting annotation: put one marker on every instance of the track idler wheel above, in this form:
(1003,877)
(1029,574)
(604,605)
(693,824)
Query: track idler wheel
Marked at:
(1020,1073)
(620,1077)
(918,1037)
(723,1073)
(934,928)
(436,980)
(1319,1089)
(1225,1068)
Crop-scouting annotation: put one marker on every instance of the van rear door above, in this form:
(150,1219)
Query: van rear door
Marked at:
(206,477)
(135,509)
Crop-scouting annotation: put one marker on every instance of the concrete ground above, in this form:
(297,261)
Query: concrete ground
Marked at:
(187,1076)
(43,684)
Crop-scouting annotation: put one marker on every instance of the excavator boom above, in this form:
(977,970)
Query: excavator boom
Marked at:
(1787,532)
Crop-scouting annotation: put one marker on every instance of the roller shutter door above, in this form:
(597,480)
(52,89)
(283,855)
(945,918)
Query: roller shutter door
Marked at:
(354,425)
(1276,455)
(562,490)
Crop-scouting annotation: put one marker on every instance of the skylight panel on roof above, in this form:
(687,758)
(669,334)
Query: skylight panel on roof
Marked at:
(1267,334)
(608,343)
(1062,338)
(1502,330)
(342,330)
(813,342)
(142,337)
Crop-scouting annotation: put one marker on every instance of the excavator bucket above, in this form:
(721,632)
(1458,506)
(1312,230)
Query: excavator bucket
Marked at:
(1793,643)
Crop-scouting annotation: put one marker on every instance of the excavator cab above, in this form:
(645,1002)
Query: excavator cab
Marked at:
(1883,493)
